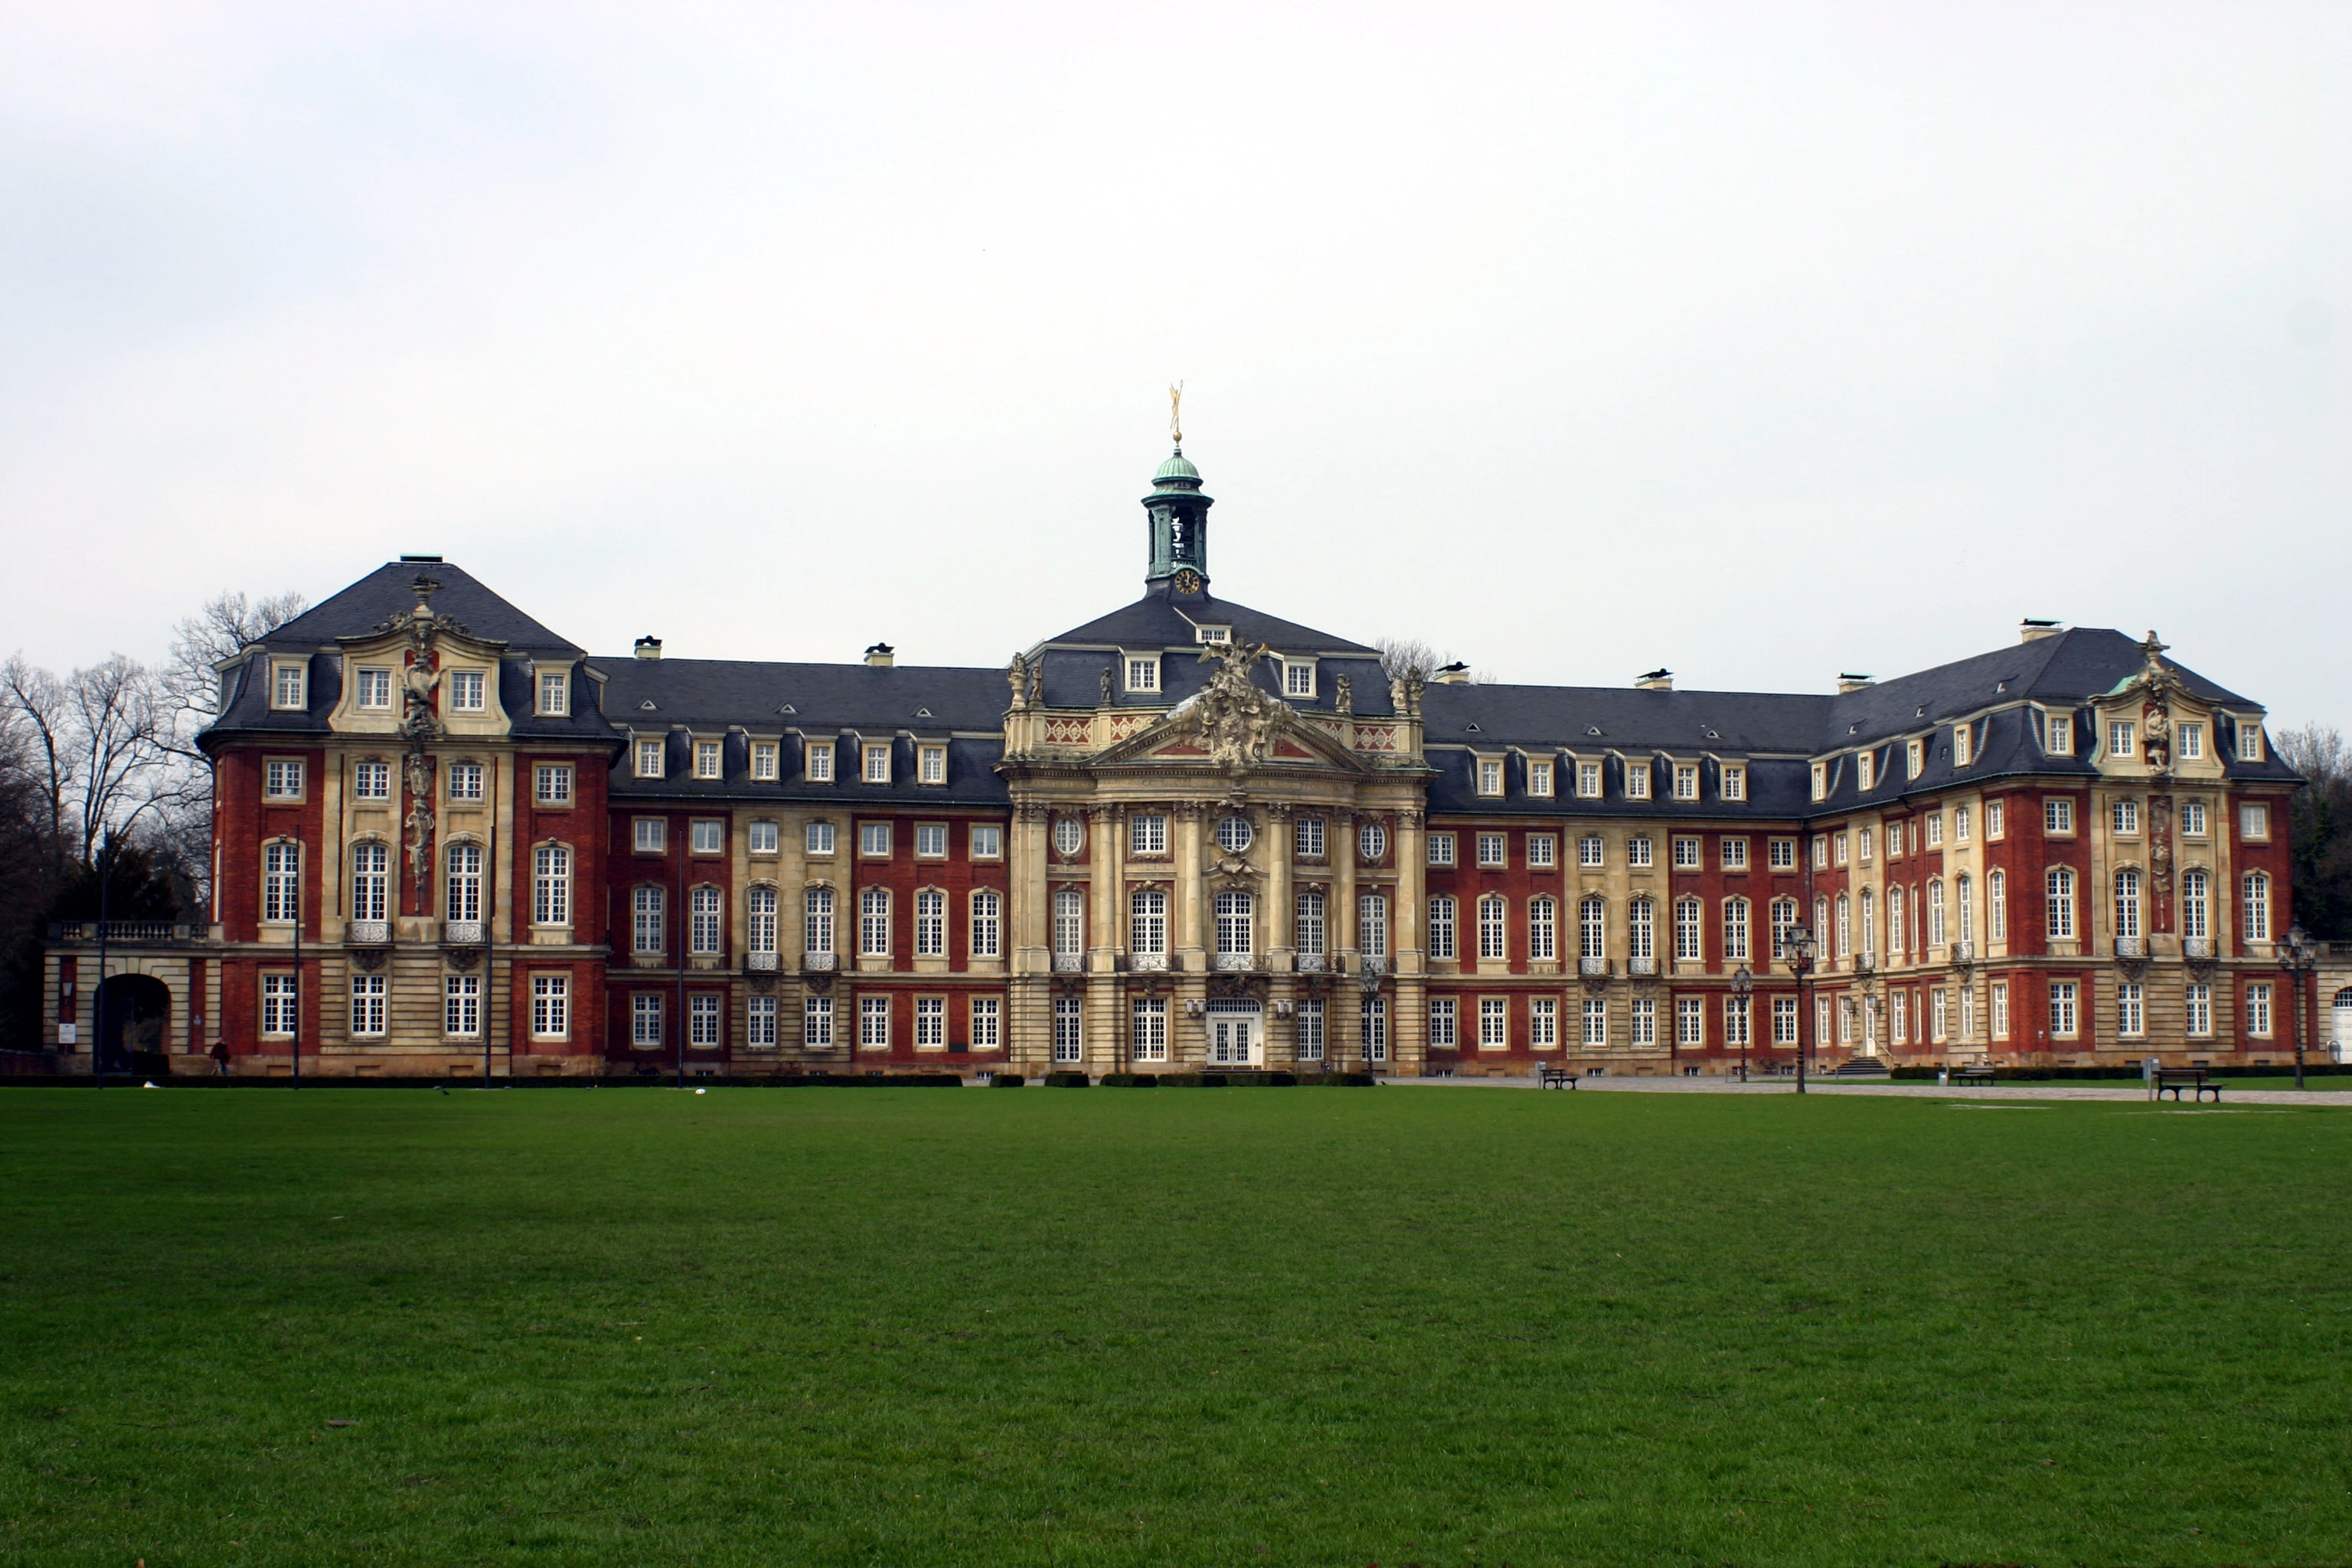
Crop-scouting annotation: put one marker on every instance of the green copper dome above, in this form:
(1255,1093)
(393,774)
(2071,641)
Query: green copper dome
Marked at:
(1178,466)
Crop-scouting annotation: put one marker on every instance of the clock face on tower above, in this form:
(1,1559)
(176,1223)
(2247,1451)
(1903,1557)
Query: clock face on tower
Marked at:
(1188,581)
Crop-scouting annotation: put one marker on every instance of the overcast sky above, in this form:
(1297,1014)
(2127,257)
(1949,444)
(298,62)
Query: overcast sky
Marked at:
(1762,341)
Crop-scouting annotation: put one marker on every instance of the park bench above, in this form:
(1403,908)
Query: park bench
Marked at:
(1550,1077)
(2193,1079)
(1974,1075)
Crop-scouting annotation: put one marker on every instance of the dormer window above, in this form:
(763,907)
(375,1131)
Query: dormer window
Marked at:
(1637,780)
(554,693)
(1735,780)
(1142,673)
(1216,634)
(650,759)
(1490,775)
(1685,781)
(1539,777)
(1963,745)
(2059,735)
(1820,781)
(1865,770)
(2123,740)
(707,759)
(1588,781)
(818,763)
(467,691)
(1915,758)
(877,769)
(290,686)
(931,764)
(1298,677)
(374,688)
(2249,741)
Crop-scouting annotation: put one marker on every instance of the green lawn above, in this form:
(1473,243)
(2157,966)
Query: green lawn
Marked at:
(1330,1326)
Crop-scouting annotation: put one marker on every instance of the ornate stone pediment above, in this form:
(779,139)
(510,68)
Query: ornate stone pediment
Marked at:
(1234,726)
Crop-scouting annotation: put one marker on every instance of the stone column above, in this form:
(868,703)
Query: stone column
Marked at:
(1189,948)
(1281,935)
(1106,848)
(1408,1011)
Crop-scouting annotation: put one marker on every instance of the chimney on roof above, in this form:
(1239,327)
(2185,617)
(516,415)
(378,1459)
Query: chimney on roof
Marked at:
(1853,683)
(1454,674)
(881,656)
(1656,681)
(649,648)
(2031,630)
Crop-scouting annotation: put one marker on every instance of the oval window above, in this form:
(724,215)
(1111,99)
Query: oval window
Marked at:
(1372,840)
(1234,834)
(1069,835)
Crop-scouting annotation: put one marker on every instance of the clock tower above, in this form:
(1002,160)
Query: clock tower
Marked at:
(1179,515)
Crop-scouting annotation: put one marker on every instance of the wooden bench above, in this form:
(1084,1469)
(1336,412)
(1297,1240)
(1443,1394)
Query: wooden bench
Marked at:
(2194,1080)
(1550,1077)
(1974,1075)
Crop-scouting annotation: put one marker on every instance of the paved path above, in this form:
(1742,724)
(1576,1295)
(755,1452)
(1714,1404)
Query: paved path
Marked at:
(2232,1094)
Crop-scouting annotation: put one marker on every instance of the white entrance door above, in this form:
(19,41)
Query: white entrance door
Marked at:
(1235,1039)
(2340,1030)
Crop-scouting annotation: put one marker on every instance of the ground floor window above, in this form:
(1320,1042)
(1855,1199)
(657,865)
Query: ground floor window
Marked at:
(759,1022)
(1784,1020)
(645,1019)
(987,1023)
(931,1022)
(2000,1010)
(1543,1023)
(1069,1034)
(1494,1024)
(2258,1011)
(1442,1024)
(1645,1020)
(874,1023)
(1310,1029)
(279,995)
(367,1003)
(702,1020)
(1596,1021)
(550,1006)
(2201,1010)
(1374,1028)
(2131,1018)
(816,1022)
(1150,1029)
(2064,1025)
(462,1005)
(1735,1021)
(1690,1021)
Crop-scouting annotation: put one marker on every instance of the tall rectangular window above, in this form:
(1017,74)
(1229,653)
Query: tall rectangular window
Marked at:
(702,1020)
(367,1003)
(461,1012)
(1596,1021)
(1148,1031)
(1588,780)
(289,687)
(550,884)
(1146,833)
(1441,927)
(1543,929)
(709,759)
(2192,741)
(1735,780)
(280,878)
(766,761)
(462,890)
(1494,934)
(1494,1024)
(1643,1016)
(816,762)
(1306,838)
(702,921)
(877,763)
(816,921)
(1735,1021)
(467,691)
(1372,1028)
(1685,781)
(987,923)
(759,1022)
(1734,854)
(2131,1020)
(931,1022)
(1690,1021)
(816,1022)
(874,1022)
(1543,1023)
(930,924)
(554,693)
(931,764)
(1784,1020)
(987,1023)
(646,927)
(2063,1022)
(645,1020)
(1539,778)
(1069,1030)
(550,1006)
(2258,1010)
(1490,775)
(2199,1010)
(2000,1010)
(1445,1028)
(874,922)
(1143,675)
(1310,1029)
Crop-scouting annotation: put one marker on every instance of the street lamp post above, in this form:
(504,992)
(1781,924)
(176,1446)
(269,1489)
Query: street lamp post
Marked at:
(2301,958)
(1800,949)
(1742,985)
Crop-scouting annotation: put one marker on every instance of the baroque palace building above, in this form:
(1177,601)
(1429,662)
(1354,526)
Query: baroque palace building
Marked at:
(1191,835)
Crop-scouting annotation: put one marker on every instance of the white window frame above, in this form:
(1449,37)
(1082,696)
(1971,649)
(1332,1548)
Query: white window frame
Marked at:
(874,840)
(1588,781)
(370,779)
(550,1006)
(1142,671)
(1491,775)
(762,836)
(1543,851)
(2249,741)
(469,691)
(652,757)
(461,1007)
(282,778)
(649,836)
(709,759)
(1541,777)
(554,687)
(551,783)
(874,761)
(767,760)
(984,1017)
(1494,1023)
(1298,678)
(987,923)
(931,841)
(817,761)
(986,840)
(1442,846)
(1493,849)
(289,685)
(371,688)
(931,764)
(467,780)
(819,839)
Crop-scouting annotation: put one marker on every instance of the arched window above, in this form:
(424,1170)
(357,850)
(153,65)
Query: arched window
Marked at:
(1845,926)
(816,921)
(280,882)
(550,884)
(2257,887)
(371,877)
(1069,922)
(2196,906)
(2061,886)
(1308,934)
(463,893)
(1784,915)
(1735,930)
(930,924)
(1441,926)
(987,923)
(1237,923)
(702,907)
(1493,941)
(1869,921)
(1372,924)
(1641,927)
(1146,920)
(1821,922)
(761,907)
(1965,907)
(874,922)
(2127,904)
(1894,919)
(1935,934)
(1688,942)
(1592,926)
(1997,906)
(1543,929)
(646,930)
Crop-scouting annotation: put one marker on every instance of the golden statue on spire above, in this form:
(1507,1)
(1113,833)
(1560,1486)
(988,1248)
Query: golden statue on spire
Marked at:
(1176,411)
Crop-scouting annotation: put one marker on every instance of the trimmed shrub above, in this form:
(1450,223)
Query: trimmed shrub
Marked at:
(1067,1080)
(1191,1080)
(1130,1080)
(1338,1080)
(1006,1080)
(1261,1080)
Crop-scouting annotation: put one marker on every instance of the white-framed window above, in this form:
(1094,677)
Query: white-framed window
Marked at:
(874,840)
(2254,822)
(1309,929)
(1309,1028)
(281,779)
(370,880)
(1783,916)
(1689,938)
(1895,933)
(1494,926)
(1784,1020)
(461,1005)
(1964,747)
(1148,1031)
(1069,922)
(1685,781)
(371,688)
(1936,911)
(1690,1020)
(816,921)
(987,841)
(702,1019)
(874,1022)
(1236,916)
(649,834)
(931,841)
(2000,1009)
(1592,925)
(550,884)
(1996,819)
(1146,920)
(1781,854)
(2192,741)
(1639,850)
(1234,834)
(647,928)
(1494,1024)
(931,1022)
(1596,1019)
(1822,851)
(1940,1008)
(2131,1016)
(1965,906)
(1306,838)
(816,1022)
(987,1014)
(2199,1010)
(1142,673)
(1637,779)
(1543,929)
(707,835)
(2064,1022)
(2123,818)
(2192,819)
(1215,634)
(551,783)
(702,923)
(462,884)
(2058,816)
(550,1006)
(1735,854)
(1069,836)
(709,759)
(1372,1028)
(2127,889)
(1543,1023)
(767,763)
(1934,830)
(1735,1015)
(371,781)
(2123,740)
(2196,905)
(1588,781)
(1915,758)
(931,764)
(1865,770)
(762,837)
(554,693)
(760,920)
(1590,851)
(1373,841)
(367,1005)
(651,758)
(1444,1023)
(466,781)
(816,762)
(819,839)
(1069,1030)
(759,1022)
(1865,841)
(468,692)
(1997,906)
(1685,854)
(987,923)
(2060,892)
(1442,926)
(2256,889)
(1539,777)
(874,922)
(2249,741)
(877,765)
(1734,781)
(930,924)
(2059,735)
(1543,851)
(290,686)
(1298,677)
(281,1002)
(1735,930)
(645,1019)
(1960,823)
(1147,833)
(1820,781)
(1494,849)
(1845,926)
(1490,775)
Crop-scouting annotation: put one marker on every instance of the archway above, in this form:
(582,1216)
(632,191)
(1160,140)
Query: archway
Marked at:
(135,1017)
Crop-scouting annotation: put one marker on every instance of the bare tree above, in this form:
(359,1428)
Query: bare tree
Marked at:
(41,742)
(2320,827)
(188,696)
(1402,656)
(117,729)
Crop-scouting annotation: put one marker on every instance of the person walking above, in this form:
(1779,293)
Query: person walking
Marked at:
(220,1057)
